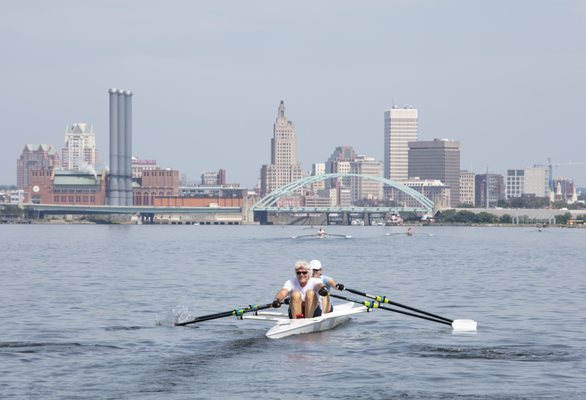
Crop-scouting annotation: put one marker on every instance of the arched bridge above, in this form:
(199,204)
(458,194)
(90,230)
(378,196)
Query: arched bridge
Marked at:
(268,202)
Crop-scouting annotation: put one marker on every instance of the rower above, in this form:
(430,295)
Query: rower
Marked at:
(302,290)
(328,282)
(322,232)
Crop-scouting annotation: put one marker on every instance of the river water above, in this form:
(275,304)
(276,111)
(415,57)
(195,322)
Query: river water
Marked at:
(86,311)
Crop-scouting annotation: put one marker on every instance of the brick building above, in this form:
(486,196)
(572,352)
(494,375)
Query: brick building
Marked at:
(66,187)
(155,183)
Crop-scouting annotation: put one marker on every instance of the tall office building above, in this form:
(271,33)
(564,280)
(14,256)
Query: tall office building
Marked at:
(467,187)
(340,154)
(316,170)
(35,157)
(536,181)
(437,159)
(489,190)
(339,163)
(400,129)
(79,151)
(527,182)
(284,167)
(366,189)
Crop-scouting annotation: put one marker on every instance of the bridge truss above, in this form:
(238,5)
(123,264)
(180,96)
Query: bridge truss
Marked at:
(268,202)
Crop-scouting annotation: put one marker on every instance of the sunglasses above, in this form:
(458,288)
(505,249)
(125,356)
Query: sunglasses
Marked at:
(302,272)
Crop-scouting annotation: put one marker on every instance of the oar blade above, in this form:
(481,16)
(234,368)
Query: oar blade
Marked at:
(464,325)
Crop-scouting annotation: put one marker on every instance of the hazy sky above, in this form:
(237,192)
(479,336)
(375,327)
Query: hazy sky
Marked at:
(505,78)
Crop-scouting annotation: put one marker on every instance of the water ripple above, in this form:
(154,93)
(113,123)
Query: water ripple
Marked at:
(49,347)
(511,353)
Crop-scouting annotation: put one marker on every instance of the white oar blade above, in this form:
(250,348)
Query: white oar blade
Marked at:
(464,325)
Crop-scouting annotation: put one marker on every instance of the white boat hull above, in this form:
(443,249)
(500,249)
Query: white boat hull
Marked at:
(287,327)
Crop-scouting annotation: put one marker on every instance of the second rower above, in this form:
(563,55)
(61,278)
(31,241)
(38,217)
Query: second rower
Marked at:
(328,282)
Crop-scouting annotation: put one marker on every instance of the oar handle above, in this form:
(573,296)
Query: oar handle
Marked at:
(358,292)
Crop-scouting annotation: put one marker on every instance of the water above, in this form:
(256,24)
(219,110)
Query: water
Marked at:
(85,312)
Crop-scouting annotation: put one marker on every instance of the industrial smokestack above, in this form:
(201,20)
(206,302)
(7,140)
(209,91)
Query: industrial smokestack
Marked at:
(120,178)
(113,176)
(128,148)
(121,149)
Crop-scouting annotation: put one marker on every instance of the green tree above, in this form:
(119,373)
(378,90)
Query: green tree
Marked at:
(506,219)
(563,219)
(409,216)
(485,218)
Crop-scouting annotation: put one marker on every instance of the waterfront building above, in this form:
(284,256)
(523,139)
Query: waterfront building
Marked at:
(515,182)
(467,188)
(489,190)
(536,181)
(434,189)
(35,157)
(400,128)
(203,196)
(284,167)
(564,190)
(66,187)
(322,198)
(366,189)
(79,151)
(437,159)
(12,196)
(340,154)
(214,178)
(527,182)
(316,170)
(339,162)
(142,165)
(345,197)
(157,183)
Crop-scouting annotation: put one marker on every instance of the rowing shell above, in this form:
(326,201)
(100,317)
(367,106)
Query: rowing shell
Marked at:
(286,327)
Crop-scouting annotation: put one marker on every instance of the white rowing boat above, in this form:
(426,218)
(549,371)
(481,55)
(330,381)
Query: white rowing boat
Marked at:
(286,327)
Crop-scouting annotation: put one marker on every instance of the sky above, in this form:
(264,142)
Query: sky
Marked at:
(507,79)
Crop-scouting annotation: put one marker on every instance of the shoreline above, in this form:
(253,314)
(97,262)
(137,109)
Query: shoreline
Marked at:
(56,221)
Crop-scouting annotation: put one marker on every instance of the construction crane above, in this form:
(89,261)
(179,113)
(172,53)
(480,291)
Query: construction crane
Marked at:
(550,166)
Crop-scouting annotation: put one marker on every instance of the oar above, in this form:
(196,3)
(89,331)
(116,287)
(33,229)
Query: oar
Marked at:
(458,324)
(374,304)
(302,236)
(334,234)
(237,311)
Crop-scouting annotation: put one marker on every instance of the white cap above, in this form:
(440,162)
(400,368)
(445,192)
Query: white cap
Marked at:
(315,264)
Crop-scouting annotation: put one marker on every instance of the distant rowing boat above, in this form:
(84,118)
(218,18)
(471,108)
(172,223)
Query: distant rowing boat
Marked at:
(321,236)
(286,327)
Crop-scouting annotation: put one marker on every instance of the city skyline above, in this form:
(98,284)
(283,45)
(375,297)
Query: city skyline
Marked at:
(210,77)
